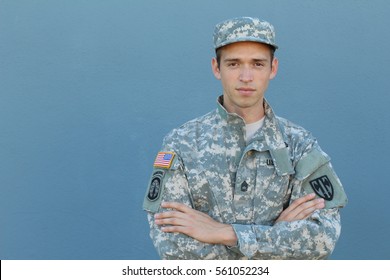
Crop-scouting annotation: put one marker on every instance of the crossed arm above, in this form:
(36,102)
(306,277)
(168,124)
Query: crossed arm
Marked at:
(193,223)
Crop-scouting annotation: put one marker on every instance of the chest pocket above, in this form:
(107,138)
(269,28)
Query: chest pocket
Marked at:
(201,193)
(262,185)
(281,159)
(211,193)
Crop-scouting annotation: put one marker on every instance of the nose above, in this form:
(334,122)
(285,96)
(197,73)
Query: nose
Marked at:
(246,75)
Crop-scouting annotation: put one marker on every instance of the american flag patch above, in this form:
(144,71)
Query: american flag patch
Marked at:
(164,160)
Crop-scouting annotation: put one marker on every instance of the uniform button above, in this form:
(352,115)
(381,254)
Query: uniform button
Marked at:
(244,186)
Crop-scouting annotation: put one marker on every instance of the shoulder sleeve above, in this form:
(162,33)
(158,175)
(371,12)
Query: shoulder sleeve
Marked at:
(317,175)
(163,167)
(170,184)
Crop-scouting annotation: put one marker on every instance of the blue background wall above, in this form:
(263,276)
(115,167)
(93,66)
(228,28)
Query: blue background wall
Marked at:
(89,88)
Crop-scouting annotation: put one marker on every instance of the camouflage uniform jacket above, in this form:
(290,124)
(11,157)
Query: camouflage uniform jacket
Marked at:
(246,185)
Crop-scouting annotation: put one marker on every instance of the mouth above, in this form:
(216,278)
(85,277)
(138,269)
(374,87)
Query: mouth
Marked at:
(245,90)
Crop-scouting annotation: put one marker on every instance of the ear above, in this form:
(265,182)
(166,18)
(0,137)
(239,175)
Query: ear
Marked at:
(274,70)
(215,68)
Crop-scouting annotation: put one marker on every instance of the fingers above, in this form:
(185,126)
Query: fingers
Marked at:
(172,221)
(307,207)
(181,219)
(302,200)
(179,216)
(168,221)
(179,229)
(296,207)
(180,207)
(176,206)
(306,212)
(168,218)
(301,208)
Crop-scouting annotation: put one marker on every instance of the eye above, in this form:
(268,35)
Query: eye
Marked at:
(232,64)
(259,64)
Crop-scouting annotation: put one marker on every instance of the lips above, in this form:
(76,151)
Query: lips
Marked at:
(246,90)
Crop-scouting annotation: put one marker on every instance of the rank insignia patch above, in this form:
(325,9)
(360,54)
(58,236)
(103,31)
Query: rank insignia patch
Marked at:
(164,160)
(323,187)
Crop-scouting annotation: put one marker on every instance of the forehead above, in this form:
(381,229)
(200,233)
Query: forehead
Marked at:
(244,49)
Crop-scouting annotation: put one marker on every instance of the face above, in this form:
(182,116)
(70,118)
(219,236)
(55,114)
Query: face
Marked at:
(245,70)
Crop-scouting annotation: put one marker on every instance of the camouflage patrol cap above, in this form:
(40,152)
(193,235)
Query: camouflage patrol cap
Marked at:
(244,29)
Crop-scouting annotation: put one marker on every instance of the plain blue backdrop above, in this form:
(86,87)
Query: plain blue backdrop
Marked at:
(88,89)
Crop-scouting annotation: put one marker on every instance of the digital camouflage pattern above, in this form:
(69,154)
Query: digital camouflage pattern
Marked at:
(247,185)
(243,29)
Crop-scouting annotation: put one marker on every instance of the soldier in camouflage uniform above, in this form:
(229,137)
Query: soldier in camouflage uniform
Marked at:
(240,182)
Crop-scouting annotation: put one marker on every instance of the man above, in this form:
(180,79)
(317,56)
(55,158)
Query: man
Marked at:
(240,182)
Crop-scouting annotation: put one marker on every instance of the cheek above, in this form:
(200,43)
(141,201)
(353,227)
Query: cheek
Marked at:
(263,84)
(263,79)
(227,84)
(229,77)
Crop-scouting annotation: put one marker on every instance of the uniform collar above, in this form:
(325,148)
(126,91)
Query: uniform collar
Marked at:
(225,115)
(229,117)
(271,131)
(270,137)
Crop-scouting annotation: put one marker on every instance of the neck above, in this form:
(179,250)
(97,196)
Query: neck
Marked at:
(251,117)
(250,114)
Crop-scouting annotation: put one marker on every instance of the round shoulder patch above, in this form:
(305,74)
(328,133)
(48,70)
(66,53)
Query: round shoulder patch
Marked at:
(155,185)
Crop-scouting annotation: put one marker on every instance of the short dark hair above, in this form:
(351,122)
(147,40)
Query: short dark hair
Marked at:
(218,54)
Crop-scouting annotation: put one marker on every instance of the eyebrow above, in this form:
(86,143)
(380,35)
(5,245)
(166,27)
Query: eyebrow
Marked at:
(253,60)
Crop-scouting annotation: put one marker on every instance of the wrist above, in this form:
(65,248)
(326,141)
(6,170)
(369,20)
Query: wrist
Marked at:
(228,236)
